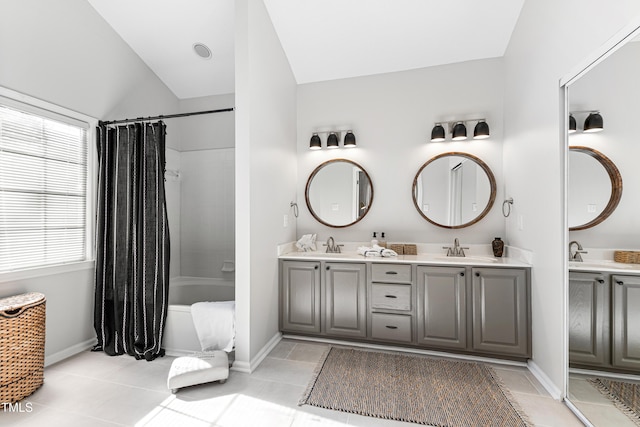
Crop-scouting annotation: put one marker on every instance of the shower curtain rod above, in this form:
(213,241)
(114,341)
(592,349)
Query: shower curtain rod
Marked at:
(169,116)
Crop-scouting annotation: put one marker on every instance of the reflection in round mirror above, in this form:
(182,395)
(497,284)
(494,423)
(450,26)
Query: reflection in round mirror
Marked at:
(454,190)
(594,188)
(339,193)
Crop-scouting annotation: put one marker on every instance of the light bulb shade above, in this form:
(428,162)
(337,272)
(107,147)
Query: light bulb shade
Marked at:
(459,132)
(332,141)
(315,143)
(593,123)
(349,140)
(481,131)
(437,133)
(572,123)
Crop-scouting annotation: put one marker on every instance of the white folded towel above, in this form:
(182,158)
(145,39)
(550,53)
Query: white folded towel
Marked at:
(376,251)
(306,243)
(215,324)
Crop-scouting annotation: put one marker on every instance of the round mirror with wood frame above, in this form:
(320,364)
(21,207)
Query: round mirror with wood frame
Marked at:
(454,190)
(616,186)
(339,193)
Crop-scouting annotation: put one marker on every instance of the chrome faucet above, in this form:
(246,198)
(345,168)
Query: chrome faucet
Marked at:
(456,249)
(576,255)
(332,248)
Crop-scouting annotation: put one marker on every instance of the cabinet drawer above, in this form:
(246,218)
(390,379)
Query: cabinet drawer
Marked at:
(390,273)
(393,297)
(392,327)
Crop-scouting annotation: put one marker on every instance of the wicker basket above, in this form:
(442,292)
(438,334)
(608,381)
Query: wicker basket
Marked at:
(627,257)
(22,331)
(410,250)
(397,248)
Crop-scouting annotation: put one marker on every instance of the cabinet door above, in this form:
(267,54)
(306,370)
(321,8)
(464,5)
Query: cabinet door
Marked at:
(300,293)
(501,311)
(588,318)
(442,307)
(626,318)
(345,298)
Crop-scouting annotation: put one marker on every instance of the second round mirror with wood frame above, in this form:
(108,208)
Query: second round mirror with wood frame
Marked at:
(339,193)
(454,190)
(595,187)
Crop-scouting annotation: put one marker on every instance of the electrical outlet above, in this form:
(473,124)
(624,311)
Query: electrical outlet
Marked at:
(520,222)
(285,222)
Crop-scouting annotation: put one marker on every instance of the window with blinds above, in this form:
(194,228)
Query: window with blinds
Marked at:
(43,191)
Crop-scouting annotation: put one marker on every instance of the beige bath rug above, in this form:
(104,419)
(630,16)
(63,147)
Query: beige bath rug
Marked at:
(412,388)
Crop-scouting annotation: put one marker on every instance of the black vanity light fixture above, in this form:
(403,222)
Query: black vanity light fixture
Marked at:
(458,130)
(333,139)
(593,122)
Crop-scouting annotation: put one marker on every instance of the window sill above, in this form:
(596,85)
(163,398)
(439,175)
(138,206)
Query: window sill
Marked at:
(13,276)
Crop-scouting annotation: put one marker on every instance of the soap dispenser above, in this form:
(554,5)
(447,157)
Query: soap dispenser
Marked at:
(382,242)
(374,240)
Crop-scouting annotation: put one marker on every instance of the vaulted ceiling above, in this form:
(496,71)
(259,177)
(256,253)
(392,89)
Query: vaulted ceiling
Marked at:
(322,39)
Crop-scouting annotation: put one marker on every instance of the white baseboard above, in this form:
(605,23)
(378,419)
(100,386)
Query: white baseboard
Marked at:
(251,366)
(68,352)
(546,382)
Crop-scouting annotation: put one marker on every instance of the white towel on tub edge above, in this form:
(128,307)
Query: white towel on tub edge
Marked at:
(215,324)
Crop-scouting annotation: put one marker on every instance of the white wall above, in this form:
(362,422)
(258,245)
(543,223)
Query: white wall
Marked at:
(173,192)
(392,116)
(550,39)
(611,87)
(64,53)
(265,175)
(207,219)
(207,131)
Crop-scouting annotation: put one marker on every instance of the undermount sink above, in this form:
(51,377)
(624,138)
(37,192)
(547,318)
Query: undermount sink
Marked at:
(465,259)
(604,264)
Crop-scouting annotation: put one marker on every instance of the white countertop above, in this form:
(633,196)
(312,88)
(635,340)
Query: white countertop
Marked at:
(423,259)
(604,266)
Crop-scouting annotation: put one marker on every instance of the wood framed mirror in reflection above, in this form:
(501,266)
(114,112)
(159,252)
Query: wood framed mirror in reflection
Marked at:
(454,190)
(603,304)
(594,188)
(339,193)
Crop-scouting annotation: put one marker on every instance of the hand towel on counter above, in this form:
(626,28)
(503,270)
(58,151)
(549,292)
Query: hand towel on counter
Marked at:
(306,243)
(376,250)
(215,324)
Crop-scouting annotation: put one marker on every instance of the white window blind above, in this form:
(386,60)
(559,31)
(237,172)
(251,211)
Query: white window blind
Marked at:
(43,191)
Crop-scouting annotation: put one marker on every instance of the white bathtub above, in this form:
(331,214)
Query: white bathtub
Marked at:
(180,336)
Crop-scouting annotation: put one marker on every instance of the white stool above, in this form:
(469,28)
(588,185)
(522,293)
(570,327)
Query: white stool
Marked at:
(198,368)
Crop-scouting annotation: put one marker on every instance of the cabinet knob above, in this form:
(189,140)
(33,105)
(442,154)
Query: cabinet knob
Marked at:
(391,327)
(461,274)
(315,268)
(477,274)
(328,268)
(600,280)
(620,282)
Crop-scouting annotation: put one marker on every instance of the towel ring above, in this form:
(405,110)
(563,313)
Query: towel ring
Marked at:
(507,204)
(294,205)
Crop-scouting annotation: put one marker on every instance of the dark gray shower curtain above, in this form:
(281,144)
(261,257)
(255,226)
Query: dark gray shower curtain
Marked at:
(132,241)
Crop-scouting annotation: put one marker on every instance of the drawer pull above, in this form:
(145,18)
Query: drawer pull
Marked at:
(391,272)
(390,296)
(391,327)
(315,268)
(477,274)
(600,280)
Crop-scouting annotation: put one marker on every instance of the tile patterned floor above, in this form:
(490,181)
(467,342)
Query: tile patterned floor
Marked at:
(598,409)
(92,389)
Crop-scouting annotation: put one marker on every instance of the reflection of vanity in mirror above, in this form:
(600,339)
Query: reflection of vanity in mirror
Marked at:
(603,315)
(454,190)
(339,193)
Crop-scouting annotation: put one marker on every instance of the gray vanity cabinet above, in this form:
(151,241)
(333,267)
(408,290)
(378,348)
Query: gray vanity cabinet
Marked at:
(345,313)
(442,307)
(300,296)
(501,313)
(626,321)
(589,310)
